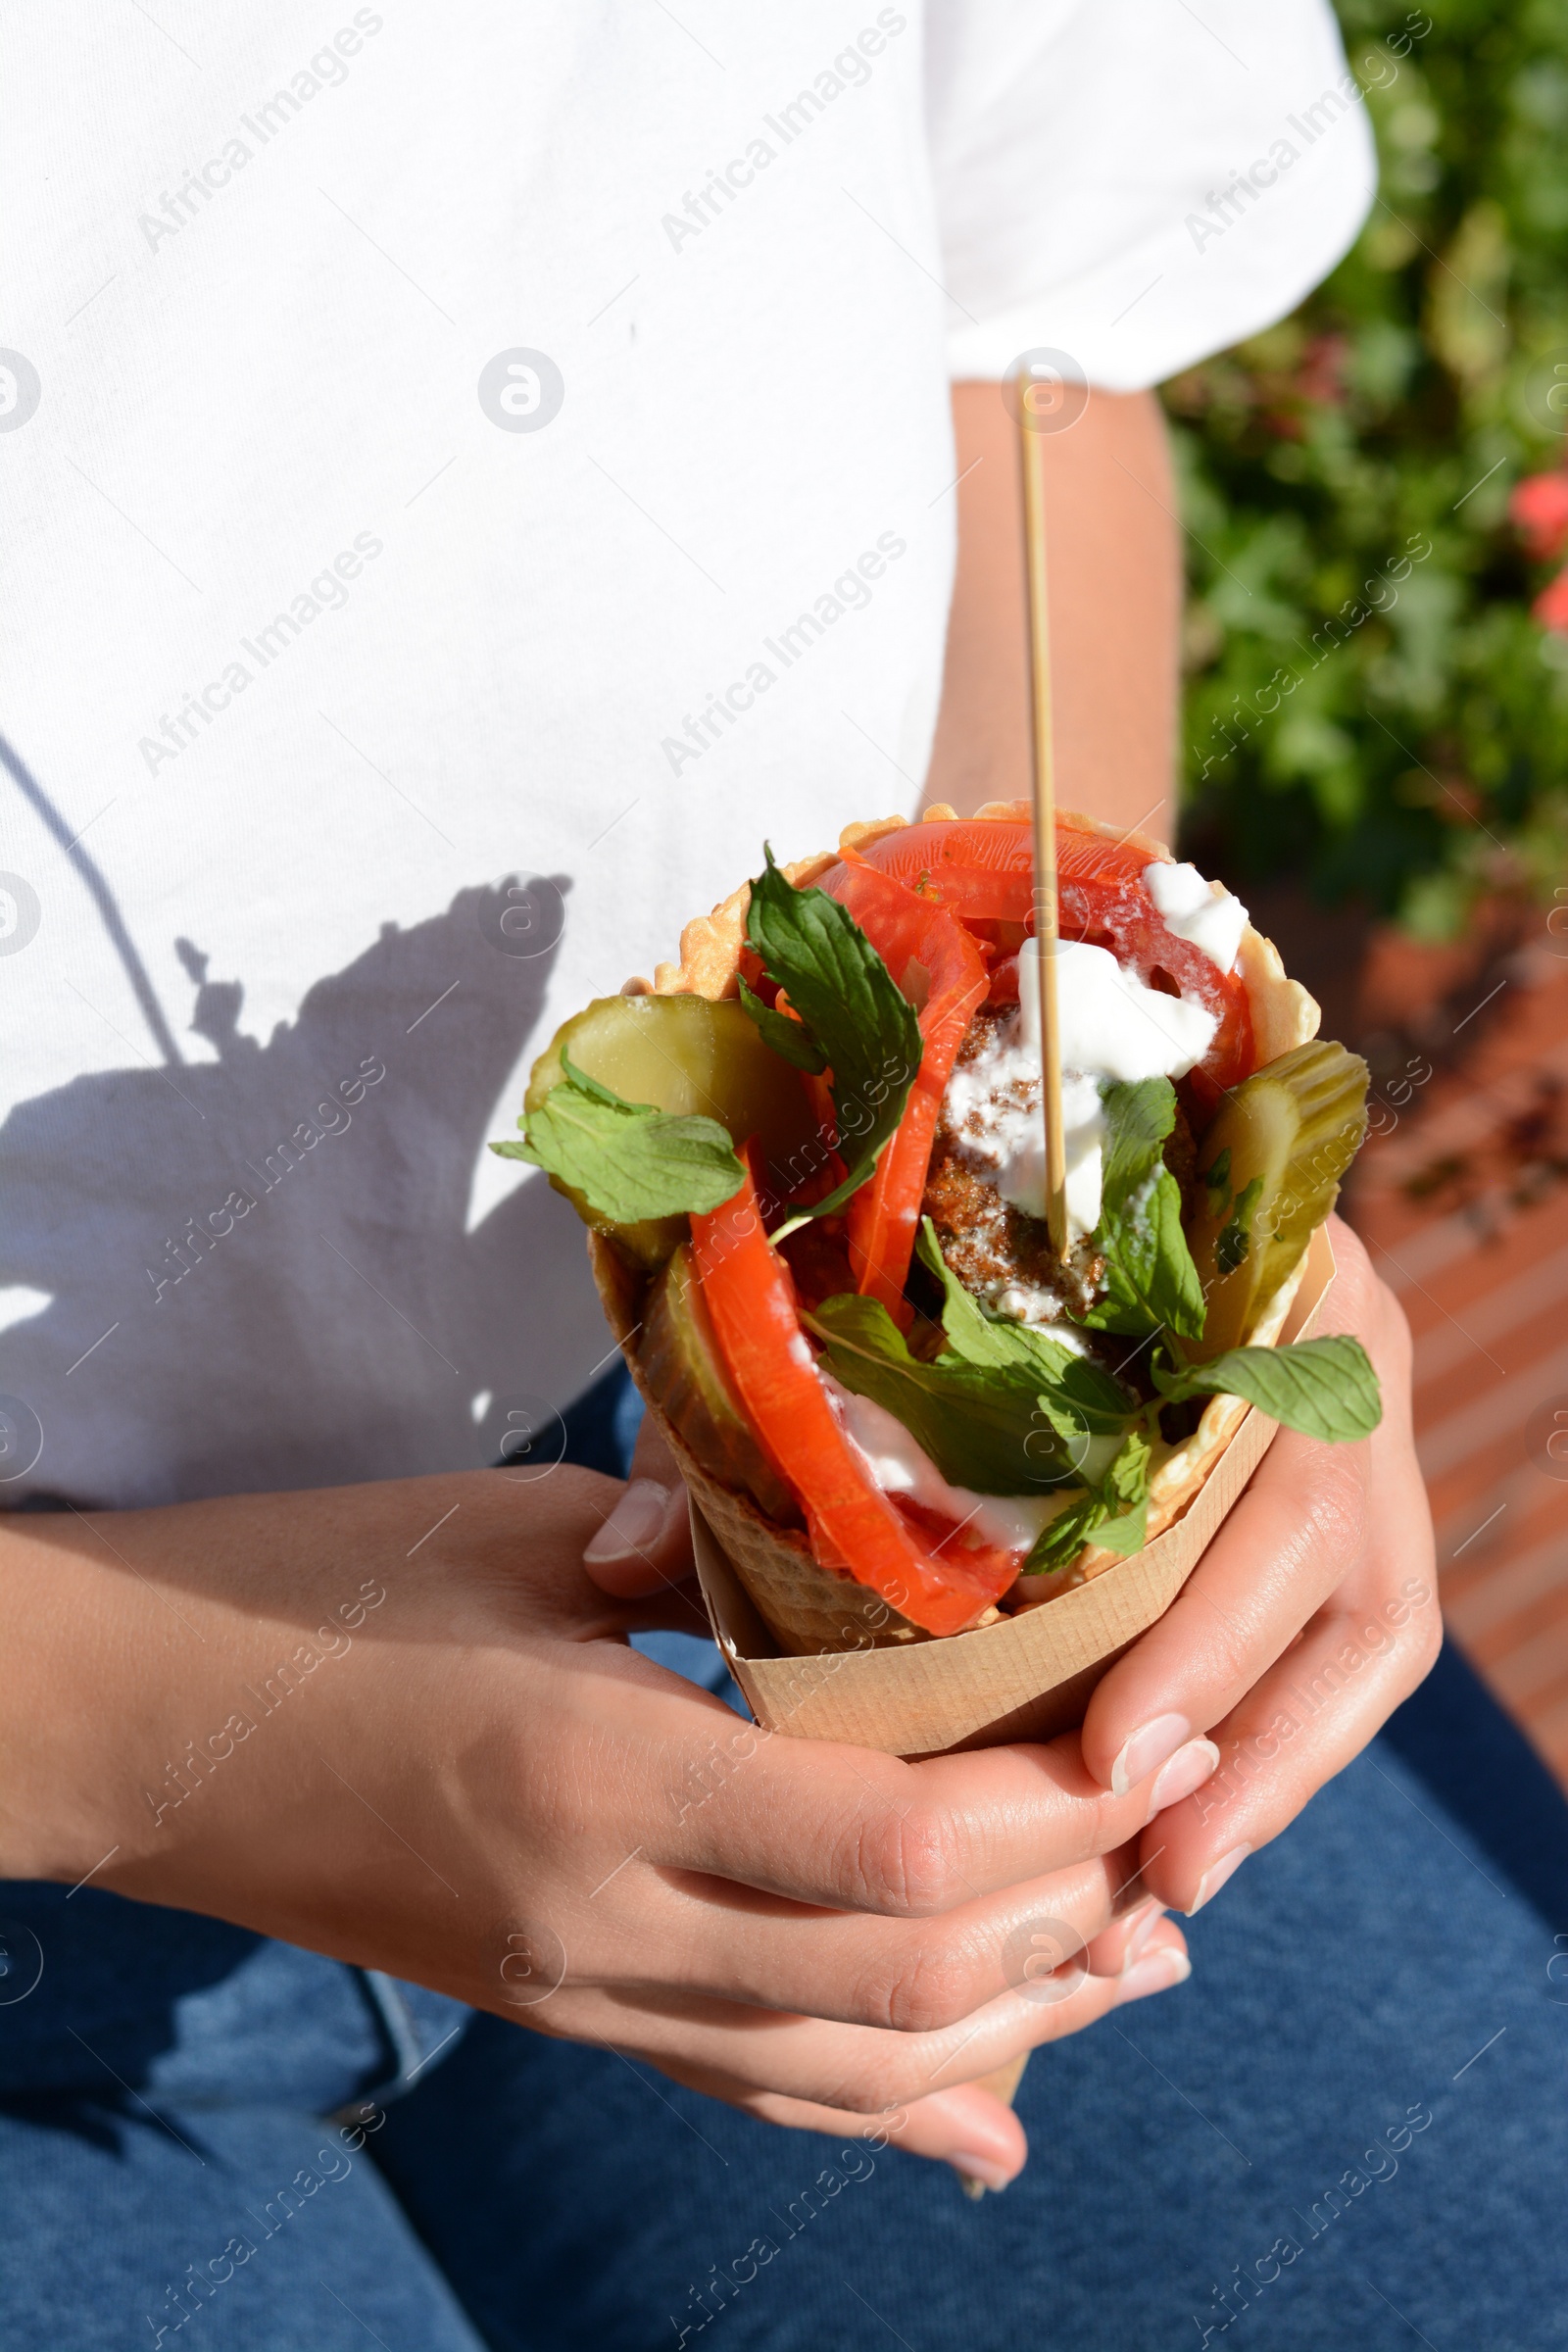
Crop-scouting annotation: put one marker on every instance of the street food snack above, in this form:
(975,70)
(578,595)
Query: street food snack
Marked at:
(810,1157)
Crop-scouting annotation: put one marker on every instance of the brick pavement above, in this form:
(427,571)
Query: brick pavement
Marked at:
(1463,1201)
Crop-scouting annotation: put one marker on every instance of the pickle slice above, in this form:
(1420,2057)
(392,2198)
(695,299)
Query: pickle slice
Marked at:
(1269,1173)
(684,1055)
(680,1364)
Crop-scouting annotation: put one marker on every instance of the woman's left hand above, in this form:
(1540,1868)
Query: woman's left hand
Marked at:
(1311,1615)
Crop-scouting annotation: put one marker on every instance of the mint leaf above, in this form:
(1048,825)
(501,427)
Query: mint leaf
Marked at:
(1124,1493)
(630,1160)
(1151,1282)
(1115,1514)
(790,1039)
(1072,1384)
(1324,1387)
(857,1019)
(1005,1410)
(1236,1234)
(971,1332)
(1062,1538)
(983,1426)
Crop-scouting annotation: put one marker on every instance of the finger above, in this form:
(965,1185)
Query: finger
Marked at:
(1301,1725)
(967,2127)
(708,1938)
(851,1829)
(746,2055)
(644,1543)
(1291,1540)
(524,1534)
(1358,1657)
(1118,1946)
(650,1457)
(1287,1544)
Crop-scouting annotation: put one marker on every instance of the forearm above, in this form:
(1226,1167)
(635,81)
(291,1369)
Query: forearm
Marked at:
(1114,549)
(138,1650)
(176,1685)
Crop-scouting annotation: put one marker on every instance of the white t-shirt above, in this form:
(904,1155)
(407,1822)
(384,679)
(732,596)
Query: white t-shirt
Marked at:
(447,445)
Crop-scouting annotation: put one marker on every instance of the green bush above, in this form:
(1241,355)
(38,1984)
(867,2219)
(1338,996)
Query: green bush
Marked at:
(1397,736)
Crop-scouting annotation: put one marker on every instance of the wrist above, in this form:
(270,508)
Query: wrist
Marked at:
(59,1785)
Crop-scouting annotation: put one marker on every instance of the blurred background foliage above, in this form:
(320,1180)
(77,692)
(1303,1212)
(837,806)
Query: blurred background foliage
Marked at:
(1391,737)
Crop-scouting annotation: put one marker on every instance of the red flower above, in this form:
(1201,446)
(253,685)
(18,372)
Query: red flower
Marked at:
(1538,509)
(1551,606)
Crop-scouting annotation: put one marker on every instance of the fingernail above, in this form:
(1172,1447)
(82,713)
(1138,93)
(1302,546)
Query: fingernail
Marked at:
(1188,1768)
(1157,1974)
(978,2174)
(1147,1750)
(1215,1875)
(1143,1926)
(634,1525)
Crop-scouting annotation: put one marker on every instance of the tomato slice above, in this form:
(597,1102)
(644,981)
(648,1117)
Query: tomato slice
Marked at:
(854,1527)
(929,956)
(982,870)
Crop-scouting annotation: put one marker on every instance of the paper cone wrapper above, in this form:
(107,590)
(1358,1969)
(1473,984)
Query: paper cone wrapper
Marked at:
(1026,1676)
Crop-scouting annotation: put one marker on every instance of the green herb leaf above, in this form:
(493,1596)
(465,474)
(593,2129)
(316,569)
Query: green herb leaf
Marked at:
(857,1019)
(628,1160)
(1151,1282)
(1114,1514)
(1072,1384)
(1124,1494)
(1236,1234)
(1005,1410)
(1218,1180)
(983,1425)
(971,1333)
(790,1039)
(1324,1387)
(1062,1538)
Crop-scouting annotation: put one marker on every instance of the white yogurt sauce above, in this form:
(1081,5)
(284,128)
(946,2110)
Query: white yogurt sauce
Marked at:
(898,1466)
(1198,910)
(1113,1027)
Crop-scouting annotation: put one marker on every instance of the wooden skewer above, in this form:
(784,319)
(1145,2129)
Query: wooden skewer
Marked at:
(1044,812)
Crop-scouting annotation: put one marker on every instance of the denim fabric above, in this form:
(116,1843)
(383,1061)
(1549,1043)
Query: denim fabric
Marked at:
(1351,2125)
(1349,2130)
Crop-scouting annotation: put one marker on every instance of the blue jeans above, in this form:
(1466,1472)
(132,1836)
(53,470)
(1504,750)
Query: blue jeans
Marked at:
(1347,2130)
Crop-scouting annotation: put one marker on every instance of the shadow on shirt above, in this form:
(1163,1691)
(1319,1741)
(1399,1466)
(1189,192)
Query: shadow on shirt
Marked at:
(260,1270)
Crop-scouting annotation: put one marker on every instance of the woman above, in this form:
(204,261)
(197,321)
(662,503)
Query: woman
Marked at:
(520,446)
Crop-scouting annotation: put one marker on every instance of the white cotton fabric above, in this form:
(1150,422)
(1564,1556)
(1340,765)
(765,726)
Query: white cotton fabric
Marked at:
(307,650)
(1219,164)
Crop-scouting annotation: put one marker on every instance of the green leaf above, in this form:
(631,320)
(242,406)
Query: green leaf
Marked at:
(1151,1282)
(844,994)
(1114,1514)
(1062,1538)
(1218,1178)
(1124,1494)
(1324,1387)
(971,1332)
(1139,1117)
(1072,1384)
(790,1039)
(983,1425)
(628,1160)
(1236,1234)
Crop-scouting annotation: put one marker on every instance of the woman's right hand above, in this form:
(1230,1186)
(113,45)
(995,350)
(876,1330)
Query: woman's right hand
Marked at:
(399,1724)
